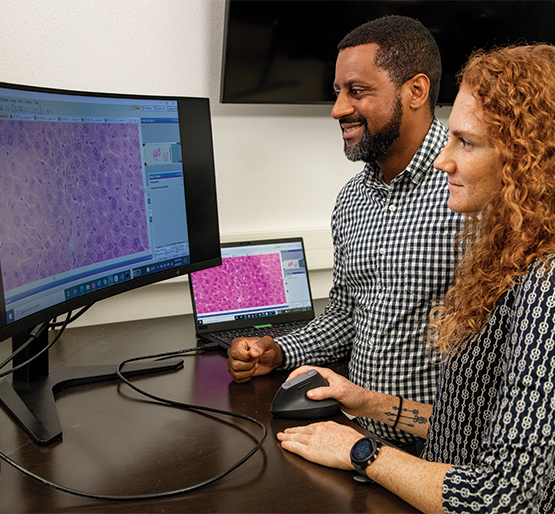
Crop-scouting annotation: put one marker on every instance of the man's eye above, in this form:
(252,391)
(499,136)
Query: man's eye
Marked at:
(465,143)
(355,91)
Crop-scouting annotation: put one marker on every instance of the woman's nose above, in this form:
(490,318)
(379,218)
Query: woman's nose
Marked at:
(444,161)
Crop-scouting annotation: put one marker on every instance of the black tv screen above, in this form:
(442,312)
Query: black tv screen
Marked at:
(284,51)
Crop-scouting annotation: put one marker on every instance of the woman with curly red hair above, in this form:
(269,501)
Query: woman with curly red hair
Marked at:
(491,430)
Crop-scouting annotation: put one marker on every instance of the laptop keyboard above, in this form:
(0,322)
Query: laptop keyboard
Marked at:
(274,331)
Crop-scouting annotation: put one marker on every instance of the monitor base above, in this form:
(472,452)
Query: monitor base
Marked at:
(33,404)
(28,394)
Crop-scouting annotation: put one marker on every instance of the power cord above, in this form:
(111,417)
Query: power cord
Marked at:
(71,317)
(35,333)
(165,401)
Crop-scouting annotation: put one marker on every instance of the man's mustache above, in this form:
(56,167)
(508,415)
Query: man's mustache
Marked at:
(353,119)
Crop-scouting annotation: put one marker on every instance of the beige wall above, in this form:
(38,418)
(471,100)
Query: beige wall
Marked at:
(279,168)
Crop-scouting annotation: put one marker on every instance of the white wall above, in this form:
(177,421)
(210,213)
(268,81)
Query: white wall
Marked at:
(279,168)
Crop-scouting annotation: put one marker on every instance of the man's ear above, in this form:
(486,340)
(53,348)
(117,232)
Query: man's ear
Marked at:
(418,89)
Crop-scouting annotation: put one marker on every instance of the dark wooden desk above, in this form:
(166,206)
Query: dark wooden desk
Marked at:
(116,442)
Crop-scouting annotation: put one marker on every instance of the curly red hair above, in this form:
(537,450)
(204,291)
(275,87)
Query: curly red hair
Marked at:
(515,87)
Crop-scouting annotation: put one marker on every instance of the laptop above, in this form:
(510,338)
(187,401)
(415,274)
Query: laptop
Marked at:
(261,288)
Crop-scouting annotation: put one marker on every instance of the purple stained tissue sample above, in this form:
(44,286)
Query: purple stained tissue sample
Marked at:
(71,195)
(240,283)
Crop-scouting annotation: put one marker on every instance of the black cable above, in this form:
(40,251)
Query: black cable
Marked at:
(35,333)
(172,403)
(56,324)
(27,343)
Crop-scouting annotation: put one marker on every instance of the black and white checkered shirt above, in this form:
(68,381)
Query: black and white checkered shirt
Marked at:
(393,248)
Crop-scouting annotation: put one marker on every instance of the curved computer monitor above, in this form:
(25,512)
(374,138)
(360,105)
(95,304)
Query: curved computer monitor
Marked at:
(99,194)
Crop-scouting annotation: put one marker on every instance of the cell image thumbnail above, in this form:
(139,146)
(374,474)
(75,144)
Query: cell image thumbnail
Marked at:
(240,283)
(71,195)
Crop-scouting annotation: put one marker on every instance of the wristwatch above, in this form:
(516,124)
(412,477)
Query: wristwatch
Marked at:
(363,452)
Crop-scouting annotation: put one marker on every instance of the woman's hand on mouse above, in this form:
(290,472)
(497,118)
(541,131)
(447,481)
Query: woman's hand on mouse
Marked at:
(355,400)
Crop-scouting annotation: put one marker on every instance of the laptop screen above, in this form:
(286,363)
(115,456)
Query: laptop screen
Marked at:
(259,281)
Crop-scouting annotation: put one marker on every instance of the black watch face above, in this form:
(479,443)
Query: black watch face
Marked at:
(362,450)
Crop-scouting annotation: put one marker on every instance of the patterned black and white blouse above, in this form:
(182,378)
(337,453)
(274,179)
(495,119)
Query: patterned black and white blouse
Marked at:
(494,414)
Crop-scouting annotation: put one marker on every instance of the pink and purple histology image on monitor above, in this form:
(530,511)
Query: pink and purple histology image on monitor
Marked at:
(71,195)
(240,283)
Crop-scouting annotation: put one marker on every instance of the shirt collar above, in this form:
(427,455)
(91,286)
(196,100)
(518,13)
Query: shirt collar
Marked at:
(420,164)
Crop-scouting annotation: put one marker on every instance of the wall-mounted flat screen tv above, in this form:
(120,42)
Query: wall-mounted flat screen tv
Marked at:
(284,51)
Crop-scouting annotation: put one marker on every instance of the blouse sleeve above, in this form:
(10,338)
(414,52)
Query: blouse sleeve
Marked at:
(514,469)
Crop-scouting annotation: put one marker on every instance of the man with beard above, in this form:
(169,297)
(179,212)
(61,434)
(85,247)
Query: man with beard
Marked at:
(392,229)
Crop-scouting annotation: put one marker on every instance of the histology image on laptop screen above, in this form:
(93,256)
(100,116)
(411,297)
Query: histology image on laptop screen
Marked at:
(242,282)
(55,185)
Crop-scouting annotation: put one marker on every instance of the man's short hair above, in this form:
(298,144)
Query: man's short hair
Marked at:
(406,48)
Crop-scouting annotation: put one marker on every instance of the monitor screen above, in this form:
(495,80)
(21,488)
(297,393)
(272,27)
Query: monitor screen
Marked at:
(100,193)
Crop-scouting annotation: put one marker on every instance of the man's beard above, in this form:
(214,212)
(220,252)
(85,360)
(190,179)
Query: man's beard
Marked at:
(373,146)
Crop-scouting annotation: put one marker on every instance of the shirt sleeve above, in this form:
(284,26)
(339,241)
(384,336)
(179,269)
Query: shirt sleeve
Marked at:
(513,472)
(329,337)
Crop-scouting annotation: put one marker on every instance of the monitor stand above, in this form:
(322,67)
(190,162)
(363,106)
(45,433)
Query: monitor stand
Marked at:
(28,395)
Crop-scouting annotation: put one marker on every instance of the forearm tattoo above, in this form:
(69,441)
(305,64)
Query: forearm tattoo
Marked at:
(407,417)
